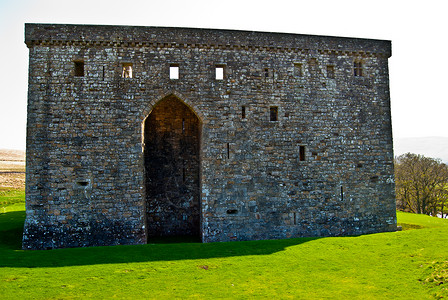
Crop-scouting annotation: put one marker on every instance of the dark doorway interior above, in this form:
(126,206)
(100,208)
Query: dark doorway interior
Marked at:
(171,152)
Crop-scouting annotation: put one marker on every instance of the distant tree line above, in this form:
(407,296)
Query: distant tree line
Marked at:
(421,185)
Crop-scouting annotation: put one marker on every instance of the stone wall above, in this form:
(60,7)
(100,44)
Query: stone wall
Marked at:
(295,140)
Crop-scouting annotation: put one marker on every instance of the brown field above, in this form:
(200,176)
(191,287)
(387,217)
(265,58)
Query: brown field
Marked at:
(12,169)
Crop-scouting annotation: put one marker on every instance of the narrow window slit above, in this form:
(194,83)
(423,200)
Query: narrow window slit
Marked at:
(330,71)
(228,151)
(184,174)
(273,110)
(301,153)
(358,68)
(243,112)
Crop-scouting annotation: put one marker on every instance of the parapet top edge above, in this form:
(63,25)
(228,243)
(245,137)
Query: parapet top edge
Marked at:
(37,33)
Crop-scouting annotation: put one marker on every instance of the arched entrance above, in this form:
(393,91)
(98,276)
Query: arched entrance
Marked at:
(172,164)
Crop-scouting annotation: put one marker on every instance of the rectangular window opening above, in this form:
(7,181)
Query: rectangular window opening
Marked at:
(273,112)
(298,70)
(126,70)
(266,72)
(313,66)
(330,71)
(82,183)
(219,72)
(301,153)
(79,68)
(358,68)
(174,71)
(243,112)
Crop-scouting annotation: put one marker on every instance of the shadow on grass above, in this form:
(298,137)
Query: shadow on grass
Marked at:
(12,256)
(406,226)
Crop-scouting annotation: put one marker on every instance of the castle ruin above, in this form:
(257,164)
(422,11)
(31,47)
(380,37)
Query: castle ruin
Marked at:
(142,132)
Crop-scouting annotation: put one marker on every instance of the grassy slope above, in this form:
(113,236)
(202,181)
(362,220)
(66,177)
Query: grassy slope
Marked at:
(11,200)
(402,265)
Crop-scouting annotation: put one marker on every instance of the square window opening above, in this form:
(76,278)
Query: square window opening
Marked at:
(219,73)
(174,71)
(127,70)
(79,68)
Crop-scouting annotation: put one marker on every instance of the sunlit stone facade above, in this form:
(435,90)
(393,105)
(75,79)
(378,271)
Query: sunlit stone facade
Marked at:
(139,132)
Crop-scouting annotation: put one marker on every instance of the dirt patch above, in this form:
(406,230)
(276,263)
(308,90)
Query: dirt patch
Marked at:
(438,278)
(406,226)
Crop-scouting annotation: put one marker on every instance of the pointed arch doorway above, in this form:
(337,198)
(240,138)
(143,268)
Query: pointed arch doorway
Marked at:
(172,170)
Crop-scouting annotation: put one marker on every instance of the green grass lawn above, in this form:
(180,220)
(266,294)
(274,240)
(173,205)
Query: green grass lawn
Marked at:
(410,264)
(11,200)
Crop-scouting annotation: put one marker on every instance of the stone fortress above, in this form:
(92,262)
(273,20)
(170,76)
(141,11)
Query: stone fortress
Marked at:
(142,132)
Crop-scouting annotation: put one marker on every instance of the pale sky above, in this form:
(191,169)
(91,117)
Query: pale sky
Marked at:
(417,29)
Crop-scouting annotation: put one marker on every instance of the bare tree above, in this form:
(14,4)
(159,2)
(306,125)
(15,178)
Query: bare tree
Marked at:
(421,184)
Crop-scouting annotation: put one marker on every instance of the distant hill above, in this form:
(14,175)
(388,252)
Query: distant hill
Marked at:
(12,169)
(12,155)
(434,147)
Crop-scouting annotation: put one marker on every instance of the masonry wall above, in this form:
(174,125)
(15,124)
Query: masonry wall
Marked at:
(321,166)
